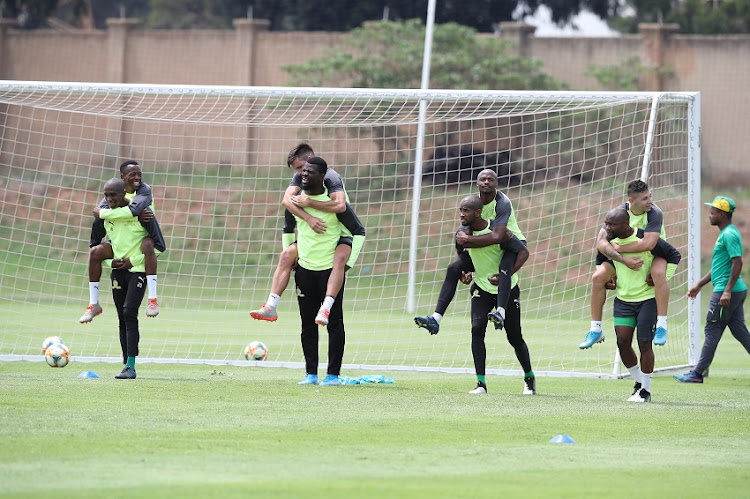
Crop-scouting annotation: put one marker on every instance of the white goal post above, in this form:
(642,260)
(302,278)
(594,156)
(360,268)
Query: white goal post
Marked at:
(215,158)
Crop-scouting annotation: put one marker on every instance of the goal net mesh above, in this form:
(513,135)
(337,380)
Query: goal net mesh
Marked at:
(215,158)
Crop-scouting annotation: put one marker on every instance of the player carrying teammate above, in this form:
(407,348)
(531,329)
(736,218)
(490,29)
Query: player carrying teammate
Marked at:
(295,203)
(140,206)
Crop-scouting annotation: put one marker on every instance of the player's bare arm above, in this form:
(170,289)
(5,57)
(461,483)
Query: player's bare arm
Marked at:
(605,247)
(315,223)
(146,215)
(337,204)
(696,288)
(122,264)
(499,235)
(647,243)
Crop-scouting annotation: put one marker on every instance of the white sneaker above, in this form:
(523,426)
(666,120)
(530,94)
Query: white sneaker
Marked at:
(479,390)
(264,313)
(152,310)
(91,312)
(529,386)
(322,318)
(641,396)
(636,389)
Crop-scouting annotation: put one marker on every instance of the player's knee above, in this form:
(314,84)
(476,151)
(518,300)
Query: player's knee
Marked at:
(288,257)
(623,342)
(99,253)
(478,331)
(95,254)
(600,278)
(341,256)
(336,326)
(129,313)
(516,341)
(147,246)
(659,275)
(455,268)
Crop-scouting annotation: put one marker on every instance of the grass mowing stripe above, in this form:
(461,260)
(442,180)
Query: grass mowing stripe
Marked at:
(201,431)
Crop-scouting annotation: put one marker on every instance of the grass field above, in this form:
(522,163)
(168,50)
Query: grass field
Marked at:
(240,431)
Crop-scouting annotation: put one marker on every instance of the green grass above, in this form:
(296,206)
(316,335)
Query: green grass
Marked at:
(240,431)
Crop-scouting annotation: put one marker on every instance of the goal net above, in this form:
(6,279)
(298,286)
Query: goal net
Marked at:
(216,160)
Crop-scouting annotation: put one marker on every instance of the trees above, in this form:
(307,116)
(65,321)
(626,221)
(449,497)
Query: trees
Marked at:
(303,15)
(693,16)
(389,55)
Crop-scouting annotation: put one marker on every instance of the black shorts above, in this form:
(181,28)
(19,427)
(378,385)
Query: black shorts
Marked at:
(640,314)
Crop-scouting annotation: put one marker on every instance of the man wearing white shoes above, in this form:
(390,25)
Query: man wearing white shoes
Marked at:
(485,262)
(634,307)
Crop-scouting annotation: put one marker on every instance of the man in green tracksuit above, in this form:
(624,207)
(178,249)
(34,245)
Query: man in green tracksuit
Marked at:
(727,301)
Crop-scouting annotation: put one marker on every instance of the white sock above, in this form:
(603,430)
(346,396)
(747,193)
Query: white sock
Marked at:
(93,293)
(637,375)
(273,301)
(502,312)
(661,321)
(596,326)
(328,302)
(438,317)
(646,381)
(151,283)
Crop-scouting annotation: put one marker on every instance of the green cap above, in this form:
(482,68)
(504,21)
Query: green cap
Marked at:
(723,203)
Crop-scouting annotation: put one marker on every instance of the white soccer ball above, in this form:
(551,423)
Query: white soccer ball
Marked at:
(52,340)
(57,355)
(256,351)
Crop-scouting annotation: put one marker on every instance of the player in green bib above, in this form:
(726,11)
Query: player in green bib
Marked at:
(634,307)
(644,214)
(314,266)
(128,273)
(726,306)
(141,207)
(485,262)
(497,208)
(296,203)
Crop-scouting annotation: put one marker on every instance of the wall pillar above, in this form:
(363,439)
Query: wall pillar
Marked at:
(654,47)
(247,45)
(247,31)
(520,34)
(118,31)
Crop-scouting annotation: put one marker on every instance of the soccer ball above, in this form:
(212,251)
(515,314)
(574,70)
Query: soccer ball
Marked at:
(256,351)
(52,340)
(57,355)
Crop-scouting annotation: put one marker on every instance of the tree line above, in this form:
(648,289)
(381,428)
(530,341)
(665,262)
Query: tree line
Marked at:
(693,16)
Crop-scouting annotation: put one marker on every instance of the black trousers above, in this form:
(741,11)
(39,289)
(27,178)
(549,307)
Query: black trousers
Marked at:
(482,303)
(128,289)
(311,291)
(717,319)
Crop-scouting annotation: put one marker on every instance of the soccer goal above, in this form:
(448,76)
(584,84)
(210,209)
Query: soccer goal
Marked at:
(216,160)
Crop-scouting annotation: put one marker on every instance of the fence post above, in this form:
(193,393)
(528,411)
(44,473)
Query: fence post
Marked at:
(117,41)
(520,34)
(654,47)
(247,30)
